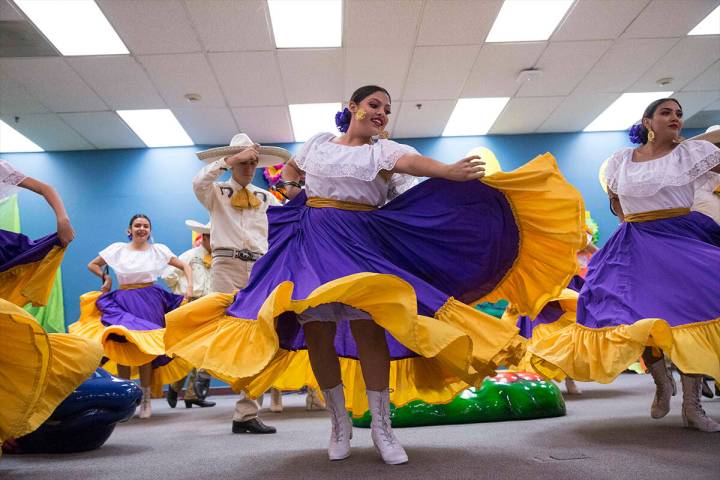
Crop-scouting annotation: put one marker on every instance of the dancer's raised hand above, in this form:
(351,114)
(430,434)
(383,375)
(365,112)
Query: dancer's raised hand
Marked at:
(469,168)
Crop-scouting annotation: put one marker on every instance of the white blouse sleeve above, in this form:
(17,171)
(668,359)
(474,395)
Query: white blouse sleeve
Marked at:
(302,156)
(9,179)
(165,253)
(611,171)
(390,153)
(111,253)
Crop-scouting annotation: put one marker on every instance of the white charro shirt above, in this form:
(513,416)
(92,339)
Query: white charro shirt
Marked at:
(245,228)
(353,174)
(9,179)
(664,183)
(202,278)
(137,266)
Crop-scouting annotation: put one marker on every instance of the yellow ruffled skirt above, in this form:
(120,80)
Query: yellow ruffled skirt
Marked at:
(37,370)
(451,345)
(31,282)
(126,346)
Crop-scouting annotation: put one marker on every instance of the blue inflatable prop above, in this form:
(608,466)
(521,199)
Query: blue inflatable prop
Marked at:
(85,419)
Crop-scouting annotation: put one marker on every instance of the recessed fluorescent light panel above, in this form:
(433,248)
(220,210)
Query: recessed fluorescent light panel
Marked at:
(311,118)
(709,26)
(474,116)
(13,141)
(75,27)
(624,111)
(156,128)
(306,23)
(527,20)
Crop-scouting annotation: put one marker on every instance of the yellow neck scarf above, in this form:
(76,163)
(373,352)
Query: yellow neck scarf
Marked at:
(244,199)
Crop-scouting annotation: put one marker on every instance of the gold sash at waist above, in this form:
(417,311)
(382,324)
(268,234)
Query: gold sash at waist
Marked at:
(319,202)
(134,286)
(656,215)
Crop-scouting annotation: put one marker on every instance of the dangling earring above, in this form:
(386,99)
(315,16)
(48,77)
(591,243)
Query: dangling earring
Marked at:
(384,135)
(129,236)
(360,114)
(651,135)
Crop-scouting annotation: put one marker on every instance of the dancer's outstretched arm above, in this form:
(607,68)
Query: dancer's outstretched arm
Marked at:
(65,230)
(469,168)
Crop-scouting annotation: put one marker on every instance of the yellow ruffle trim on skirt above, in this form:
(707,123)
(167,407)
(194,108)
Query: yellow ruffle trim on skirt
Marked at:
(457,348)
(37,370)
(550,215)
(568,303)
(31,282)
(141,347)
(601,354)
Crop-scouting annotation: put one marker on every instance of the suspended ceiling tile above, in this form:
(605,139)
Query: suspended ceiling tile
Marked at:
(577,111)
(524,115)
(625,62)
(685,61)
(152,26)
(265,124)
(312,75)
(48,131)
(497,67)
(598,19)
(439,73)
(119,80)
(379,22)
(207,126)
(15,99)
(180,74)
(231,25)
(707,80)
(248,78)
(669,18)
(53,83)
(427,121)
(457,22)
(383,66)
(564,64)
(103,129)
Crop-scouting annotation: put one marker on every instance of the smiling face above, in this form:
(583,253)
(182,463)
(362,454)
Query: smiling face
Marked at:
(140,230)
(377,108)
(666,121)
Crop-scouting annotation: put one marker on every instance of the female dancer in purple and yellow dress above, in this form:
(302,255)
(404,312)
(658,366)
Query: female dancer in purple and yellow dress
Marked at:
(635,297)
(130,321)
(37,370)
(387,289)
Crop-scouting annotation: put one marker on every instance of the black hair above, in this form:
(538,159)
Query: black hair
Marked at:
(139,215)
(363,92)
(641,132)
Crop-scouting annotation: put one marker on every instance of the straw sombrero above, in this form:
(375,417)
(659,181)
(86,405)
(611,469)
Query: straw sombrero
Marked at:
(203,229)
(268,155)
(712,135)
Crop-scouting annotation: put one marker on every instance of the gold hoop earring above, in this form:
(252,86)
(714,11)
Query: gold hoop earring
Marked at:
(651,135)
(360,114)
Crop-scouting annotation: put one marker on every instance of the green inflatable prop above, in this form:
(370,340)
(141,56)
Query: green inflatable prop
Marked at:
(506,396)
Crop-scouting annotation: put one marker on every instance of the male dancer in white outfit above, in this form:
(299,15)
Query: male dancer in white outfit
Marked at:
(239,230)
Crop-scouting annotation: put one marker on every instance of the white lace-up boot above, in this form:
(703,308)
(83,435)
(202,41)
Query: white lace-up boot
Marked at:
(692,412)
(665,388)
(341,434)
(386,444)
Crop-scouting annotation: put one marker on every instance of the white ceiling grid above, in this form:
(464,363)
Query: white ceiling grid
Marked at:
(427,52)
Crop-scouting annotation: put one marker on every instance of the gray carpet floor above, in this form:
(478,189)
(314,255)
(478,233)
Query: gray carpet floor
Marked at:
(607,434)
